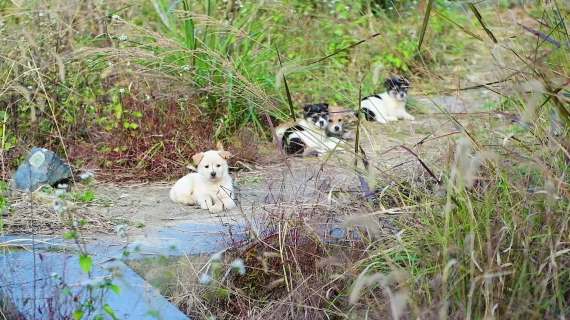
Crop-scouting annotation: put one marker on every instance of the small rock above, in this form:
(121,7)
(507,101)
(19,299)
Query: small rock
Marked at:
(86,175)
(41,167)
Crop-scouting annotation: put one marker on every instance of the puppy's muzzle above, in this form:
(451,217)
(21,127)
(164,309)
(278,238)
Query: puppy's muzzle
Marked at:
(336,128)
(321,123)
(213,174)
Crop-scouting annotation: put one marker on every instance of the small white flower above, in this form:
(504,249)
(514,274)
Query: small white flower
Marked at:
(123,37)
(186,68)
(238,266)
(115,17)
(217,256)
(41,14)
(205,279)
(122,90)
(86,175)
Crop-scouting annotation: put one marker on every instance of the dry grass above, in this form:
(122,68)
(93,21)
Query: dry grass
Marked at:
(39,214)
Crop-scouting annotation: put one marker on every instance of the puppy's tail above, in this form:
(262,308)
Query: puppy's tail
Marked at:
(369,115)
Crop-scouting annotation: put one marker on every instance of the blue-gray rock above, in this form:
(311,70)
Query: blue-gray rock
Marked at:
(41,167)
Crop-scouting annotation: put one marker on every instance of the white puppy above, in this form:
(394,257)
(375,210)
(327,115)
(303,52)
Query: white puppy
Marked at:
(390,105)
(211,187)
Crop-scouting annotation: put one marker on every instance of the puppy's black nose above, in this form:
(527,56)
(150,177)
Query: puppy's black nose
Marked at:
(213,174)
(322,123)
(336,128)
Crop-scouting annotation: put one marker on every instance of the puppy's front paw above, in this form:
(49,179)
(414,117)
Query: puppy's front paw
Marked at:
(228,203)
(217,208)
(408,116)
(204,205)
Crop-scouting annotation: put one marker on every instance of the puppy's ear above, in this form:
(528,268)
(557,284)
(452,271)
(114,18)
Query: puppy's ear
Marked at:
(220,146)
(225,154)
(197,158)
(389,83)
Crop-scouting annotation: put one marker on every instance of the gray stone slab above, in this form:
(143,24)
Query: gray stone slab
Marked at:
(57,263)
(54,280)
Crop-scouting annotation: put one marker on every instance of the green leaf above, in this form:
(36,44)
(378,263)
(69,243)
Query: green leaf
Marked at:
(70,235)
(87,196)
(115,288)
(78,315)
(110,311)
(86,263)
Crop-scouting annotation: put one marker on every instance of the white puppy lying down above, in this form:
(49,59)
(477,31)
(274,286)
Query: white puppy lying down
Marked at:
(390,105)
(211,187)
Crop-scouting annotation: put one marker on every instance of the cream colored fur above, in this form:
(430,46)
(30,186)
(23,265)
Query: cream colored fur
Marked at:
(211,187)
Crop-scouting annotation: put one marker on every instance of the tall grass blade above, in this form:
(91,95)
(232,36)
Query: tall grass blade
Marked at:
(344,49)
(543,36)
(162,12)
(189,28)
(480,19)
(358,151)
(425,23)
(209,5)
(289,100)
(448,19)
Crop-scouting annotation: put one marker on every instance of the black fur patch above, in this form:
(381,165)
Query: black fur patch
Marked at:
(368,114)
(293,145)
(373,96)
(316,109)
(397,83)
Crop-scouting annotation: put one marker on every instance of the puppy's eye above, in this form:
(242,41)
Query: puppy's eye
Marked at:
(207,166)
(330,120)
(339,120)
(218,165)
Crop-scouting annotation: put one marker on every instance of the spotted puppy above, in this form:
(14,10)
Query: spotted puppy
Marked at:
(390,105)
(307,136)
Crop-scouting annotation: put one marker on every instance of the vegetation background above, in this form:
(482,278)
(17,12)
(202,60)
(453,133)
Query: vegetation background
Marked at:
(133,88)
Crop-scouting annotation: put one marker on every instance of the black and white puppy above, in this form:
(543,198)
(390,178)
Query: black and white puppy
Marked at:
(308,135)
(390,105)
